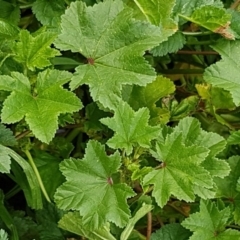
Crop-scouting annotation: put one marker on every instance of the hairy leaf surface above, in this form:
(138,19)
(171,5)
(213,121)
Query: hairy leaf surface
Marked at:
(131,128)
(210,223)
(225,73)
(35,51)
(113,47)
(42,107)
(90,188)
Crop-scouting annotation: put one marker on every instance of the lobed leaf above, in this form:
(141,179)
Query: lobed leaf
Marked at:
(131,128)
(40,109)
(90,189)
(113,47)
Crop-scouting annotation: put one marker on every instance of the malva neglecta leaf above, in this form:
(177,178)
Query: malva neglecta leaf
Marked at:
(188,163)
(42,107)
(225,73)
(6,136)
(113,48)
(172,231)
(49,12)
(210,223)
(212,18)
(90,188)
(72,222)
(226,187)
(35,51)
(131,128)
(179,170)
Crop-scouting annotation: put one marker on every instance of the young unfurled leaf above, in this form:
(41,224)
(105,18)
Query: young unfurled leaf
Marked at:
(210,223)
(41,108)
(90,188)
(113,47)
(226,187)
(212,18)
(131,128)
(225,73)
(34,52)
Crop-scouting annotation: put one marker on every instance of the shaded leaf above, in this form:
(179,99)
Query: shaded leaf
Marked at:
(6,136)
(173,231)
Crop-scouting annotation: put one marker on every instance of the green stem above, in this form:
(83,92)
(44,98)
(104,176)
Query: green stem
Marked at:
(30,159)
(197,33)
(199,42)
(12,192)
(73,134)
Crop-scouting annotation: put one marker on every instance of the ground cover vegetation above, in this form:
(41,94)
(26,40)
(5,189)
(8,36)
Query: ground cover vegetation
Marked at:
(120,119)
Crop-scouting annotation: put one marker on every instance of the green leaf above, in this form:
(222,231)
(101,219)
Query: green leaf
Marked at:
(234,138)
(41,109)
(5,161)
(48,167)
(49,12)
(138,215)
(34,52)
(47,219)
(235,22)
(214,224)
(157,12)
(89,188)
(3,235)
(179,171)
(172,45)
(212,18)
(6,136)
(227,187)
(9,12)
(188,163)
(225,73)
(149,95)
(73,222)
(187,7)
(7,30)
(114,58)
(173,231)
(131,128)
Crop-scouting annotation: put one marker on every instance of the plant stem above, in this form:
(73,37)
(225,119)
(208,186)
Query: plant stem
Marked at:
(182,71)
(235,4)
(197,52)
(149,225)
(30,159)
(197,33)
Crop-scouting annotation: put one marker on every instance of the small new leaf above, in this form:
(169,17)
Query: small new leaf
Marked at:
(210,223)
(34,52)
(90,188)
(131,128)
(41,108)
(113,47)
